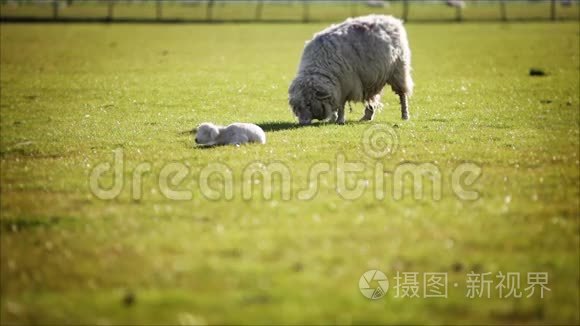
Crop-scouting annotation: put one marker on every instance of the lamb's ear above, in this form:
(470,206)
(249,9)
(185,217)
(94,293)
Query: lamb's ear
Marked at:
(322,95)
(213,132)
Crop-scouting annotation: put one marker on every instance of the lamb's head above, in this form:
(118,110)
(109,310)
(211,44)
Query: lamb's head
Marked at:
(206,134)
(310,101)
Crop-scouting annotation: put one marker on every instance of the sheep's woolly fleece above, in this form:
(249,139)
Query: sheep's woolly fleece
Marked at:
(352,61)
(209,134)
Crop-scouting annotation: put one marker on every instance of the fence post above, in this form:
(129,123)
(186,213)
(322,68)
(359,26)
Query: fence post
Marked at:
(553,10)
(209,12)
(110,4)
(55,9)
(458,13)
(305,14)
(259,7)
(502,10)
(405,10)
(158,11)
(353,11)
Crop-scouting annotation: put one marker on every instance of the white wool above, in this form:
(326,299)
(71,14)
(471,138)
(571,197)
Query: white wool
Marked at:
(352,61)
(235,134)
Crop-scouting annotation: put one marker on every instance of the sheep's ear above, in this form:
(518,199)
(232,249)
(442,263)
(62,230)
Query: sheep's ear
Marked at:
(214,132)
(321,95)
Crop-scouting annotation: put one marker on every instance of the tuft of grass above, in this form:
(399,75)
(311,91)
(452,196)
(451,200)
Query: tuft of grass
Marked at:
(72,95)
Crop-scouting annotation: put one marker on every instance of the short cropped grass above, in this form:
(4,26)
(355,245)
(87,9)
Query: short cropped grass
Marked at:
(72,95)
(288,11)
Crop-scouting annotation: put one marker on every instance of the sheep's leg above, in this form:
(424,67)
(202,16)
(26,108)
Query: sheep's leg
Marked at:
(371,107)
(369,113)
(340,117)
(402,84)
(333,117)
(404,106)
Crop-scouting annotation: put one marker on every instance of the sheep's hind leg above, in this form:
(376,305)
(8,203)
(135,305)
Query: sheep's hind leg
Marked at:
(404,106)
(402,85)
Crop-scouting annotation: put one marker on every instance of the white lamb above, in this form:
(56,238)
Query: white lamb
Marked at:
(209,134)
(352,61)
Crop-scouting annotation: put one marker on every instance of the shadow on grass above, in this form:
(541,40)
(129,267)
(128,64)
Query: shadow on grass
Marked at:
(279,125)
(273,126)
(19,224)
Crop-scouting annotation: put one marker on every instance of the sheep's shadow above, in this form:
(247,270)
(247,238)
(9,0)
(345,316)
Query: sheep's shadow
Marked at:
(282,125)
(273,126)
(279,125)
(268,126)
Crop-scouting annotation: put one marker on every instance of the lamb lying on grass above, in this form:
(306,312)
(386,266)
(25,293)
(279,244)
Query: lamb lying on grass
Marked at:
(352,61)
(209,134)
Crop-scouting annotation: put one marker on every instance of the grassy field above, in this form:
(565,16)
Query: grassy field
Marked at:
(72,95)
(330,11)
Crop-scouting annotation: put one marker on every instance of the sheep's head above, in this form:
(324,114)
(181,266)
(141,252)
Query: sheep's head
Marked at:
(310,102)
(206,134)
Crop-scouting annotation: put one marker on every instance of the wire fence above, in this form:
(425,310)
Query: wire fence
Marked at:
(207,11)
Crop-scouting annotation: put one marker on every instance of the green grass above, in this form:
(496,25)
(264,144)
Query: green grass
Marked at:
(72,94)
(330,11)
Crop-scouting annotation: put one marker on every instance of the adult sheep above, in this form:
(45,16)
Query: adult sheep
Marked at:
(352,61)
